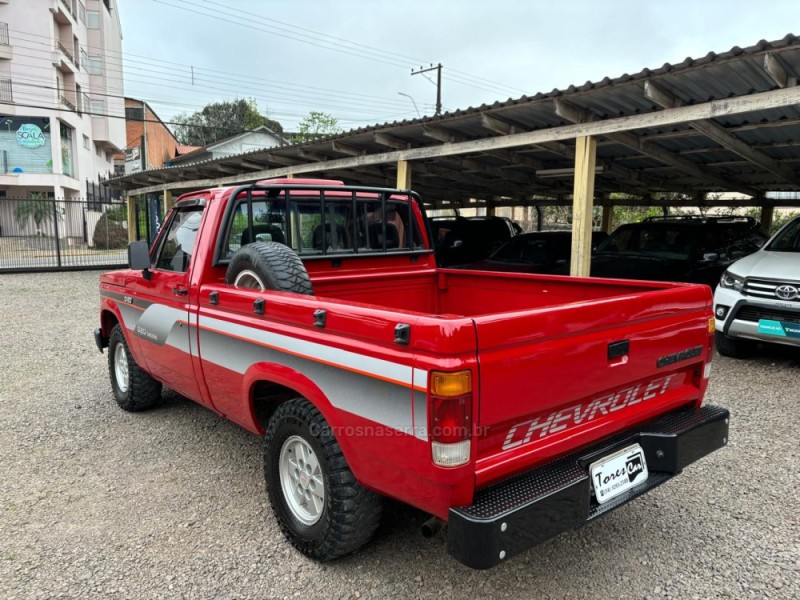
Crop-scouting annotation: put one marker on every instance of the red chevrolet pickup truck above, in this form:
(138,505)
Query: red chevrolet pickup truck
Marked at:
(510,406)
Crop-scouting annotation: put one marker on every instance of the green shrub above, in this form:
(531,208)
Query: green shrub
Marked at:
(109,234)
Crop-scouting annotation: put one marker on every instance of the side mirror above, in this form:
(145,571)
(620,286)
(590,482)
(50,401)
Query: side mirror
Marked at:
(710,257)
(139,257)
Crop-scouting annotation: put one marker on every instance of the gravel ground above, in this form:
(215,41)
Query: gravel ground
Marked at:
(99,503)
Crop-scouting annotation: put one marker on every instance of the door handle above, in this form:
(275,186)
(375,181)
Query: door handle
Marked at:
(180,291)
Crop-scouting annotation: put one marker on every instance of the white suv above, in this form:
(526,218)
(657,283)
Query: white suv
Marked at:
(758,297)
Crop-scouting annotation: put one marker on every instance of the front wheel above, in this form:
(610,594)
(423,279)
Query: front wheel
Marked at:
(320,507)
(134,390)
(735,347)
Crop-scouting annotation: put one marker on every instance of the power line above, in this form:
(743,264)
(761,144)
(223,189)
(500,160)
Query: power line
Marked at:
(294,27)
(169,77)
(360,54)
(233,77)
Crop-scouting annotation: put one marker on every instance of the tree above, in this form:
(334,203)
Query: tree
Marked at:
(37,207)
(317,124)
(220,120)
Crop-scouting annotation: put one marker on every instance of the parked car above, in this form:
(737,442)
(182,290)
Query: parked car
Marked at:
(758,297)
(682,248)
(535,252)
(460,240)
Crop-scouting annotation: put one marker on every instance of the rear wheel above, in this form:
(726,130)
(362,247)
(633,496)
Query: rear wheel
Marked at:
(735,347)
(320,507)
(134,390)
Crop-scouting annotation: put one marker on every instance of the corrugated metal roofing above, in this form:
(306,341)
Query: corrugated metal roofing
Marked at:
(737,72)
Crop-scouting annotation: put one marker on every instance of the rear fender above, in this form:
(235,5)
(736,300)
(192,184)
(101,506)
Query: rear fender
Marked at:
(290,378)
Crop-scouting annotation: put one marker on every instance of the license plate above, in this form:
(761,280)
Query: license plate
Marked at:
(618,473)
(779,328)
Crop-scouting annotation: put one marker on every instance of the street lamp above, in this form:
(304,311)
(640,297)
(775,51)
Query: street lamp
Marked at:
(412,100)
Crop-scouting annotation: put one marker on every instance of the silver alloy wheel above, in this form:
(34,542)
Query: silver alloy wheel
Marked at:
(250,280)
(301,480)
(121,367)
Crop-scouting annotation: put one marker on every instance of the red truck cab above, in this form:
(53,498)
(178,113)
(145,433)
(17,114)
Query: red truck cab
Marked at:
(510,406)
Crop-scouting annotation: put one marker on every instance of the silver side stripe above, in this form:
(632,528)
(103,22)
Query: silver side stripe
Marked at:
(367,365)
(376,396)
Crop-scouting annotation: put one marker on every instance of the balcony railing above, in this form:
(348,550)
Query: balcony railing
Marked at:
(67,103)
(5,90)
(61,48)
(4,39)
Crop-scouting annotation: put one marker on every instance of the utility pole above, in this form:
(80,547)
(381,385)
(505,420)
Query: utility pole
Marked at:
(438,69)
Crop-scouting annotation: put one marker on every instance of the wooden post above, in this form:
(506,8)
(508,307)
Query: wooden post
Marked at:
(132,224)
(608,214)
(168,201)
(582,202)
(403,175)
(766,217)
(490,205)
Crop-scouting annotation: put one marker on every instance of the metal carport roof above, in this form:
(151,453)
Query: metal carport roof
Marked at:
(724,122)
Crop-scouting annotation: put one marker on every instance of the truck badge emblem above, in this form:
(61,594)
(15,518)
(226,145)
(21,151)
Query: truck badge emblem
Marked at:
(786,292)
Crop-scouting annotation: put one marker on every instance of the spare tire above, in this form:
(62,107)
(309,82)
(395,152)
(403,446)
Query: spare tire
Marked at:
(268,266)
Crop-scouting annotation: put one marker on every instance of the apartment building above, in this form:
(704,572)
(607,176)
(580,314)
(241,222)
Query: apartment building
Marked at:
(61,96)
(151,144)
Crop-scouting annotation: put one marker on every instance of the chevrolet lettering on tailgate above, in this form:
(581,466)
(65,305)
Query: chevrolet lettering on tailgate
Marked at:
(559,420)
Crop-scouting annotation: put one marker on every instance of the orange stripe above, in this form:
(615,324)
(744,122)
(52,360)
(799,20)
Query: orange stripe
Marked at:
(123,303)
(312,358)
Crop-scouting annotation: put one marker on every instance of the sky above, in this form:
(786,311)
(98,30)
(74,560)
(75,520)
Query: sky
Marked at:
(353,58)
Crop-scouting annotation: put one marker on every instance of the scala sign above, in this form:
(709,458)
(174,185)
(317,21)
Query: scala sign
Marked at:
(30,136)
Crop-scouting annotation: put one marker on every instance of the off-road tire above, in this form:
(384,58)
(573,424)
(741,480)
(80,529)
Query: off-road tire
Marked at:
(143,391)
(277,265)
(350,513)
(735,347)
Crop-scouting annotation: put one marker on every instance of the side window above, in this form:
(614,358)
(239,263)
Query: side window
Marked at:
(711,242)
(178,244)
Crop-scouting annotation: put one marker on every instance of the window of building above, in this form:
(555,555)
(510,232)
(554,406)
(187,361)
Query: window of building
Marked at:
(134,113)
(84,59)
(86,141)
(96,65)
(93,19)
(5,90)
(25,145)
(99,151)
(98,107)
(67,162)
(82,12)
(109,156)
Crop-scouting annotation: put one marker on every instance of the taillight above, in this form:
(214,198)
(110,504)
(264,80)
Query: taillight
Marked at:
(712,328)
(450,417)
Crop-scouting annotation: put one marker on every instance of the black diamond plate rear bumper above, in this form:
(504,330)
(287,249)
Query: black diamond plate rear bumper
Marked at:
(519,513)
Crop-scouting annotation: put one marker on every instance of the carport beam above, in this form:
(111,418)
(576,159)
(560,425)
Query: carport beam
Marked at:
(582,202)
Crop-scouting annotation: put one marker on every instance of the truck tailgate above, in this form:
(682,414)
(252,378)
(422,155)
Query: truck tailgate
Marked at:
(554,379)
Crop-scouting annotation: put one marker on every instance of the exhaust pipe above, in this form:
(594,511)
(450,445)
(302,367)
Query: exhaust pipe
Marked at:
(431,527)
